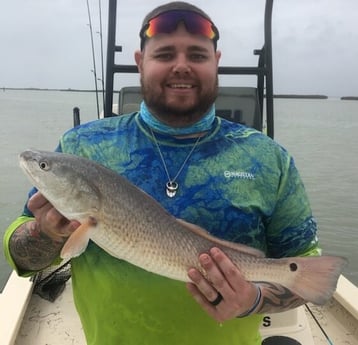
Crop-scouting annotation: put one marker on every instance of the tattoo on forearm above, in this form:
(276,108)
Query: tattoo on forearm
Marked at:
(31,249)
(276,298)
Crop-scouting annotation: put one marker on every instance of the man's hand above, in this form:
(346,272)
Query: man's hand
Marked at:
(225,279)
(49,220)
(35,244)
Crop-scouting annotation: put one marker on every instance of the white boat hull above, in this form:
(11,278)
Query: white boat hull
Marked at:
(27,319)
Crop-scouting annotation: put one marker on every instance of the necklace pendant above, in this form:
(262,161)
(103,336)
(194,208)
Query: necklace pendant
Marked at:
(171,189)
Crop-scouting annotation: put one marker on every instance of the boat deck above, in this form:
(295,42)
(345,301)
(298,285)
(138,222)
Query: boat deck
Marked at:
(59,322)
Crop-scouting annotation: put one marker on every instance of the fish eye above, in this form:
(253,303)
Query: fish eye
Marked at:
(44,165)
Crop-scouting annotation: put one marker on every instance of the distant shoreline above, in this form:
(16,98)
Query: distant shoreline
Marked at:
(349,98)
(294,96)
(44,89)
(300,96)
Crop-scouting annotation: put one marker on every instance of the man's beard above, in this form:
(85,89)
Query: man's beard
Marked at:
(157,103)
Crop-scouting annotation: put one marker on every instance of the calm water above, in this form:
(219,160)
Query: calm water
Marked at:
(321,135)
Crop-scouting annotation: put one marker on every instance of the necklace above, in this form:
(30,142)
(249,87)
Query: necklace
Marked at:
(171,187)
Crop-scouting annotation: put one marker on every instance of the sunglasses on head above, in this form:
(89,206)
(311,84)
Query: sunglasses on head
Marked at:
(167,22)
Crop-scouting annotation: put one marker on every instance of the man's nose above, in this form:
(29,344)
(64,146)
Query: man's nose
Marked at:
(181,65)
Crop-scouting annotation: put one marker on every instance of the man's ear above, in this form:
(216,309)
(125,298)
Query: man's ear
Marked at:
(218,56)
(138,57)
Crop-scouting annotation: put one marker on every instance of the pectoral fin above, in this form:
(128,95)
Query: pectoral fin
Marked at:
(78,241)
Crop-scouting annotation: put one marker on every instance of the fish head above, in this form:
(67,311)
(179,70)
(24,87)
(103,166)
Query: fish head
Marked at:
(64,180)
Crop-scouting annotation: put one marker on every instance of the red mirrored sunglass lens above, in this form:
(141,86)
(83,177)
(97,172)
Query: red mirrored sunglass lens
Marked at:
(167,22)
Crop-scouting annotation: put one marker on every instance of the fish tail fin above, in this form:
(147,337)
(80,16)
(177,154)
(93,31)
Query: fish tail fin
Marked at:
(77,243)
(317,277)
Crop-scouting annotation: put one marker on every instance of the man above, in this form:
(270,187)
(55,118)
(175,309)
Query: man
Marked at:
(179,152)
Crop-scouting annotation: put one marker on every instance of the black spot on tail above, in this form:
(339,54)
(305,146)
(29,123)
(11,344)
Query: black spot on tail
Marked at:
(293,267)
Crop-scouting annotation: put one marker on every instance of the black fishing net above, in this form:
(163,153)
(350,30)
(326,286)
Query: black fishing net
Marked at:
(50,283)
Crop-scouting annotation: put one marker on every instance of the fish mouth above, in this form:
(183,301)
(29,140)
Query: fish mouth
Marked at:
(26,159)
(26,156)
(29,154)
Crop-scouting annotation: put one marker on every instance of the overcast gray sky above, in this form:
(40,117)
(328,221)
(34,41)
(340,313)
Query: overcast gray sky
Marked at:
(46,43)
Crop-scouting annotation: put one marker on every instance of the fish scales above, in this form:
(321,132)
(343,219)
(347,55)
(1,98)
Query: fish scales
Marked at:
(130,225)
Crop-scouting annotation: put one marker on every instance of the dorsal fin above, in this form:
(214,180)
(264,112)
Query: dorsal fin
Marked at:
(232,245)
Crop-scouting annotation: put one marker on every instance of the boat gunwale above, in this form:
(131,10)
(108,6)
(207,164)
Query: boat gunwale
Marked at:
(346,295)
(14,300)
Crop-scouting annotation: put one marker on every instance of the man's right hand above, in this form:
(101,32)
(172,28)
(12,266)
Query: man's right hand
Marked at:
(35,244)
(49,220)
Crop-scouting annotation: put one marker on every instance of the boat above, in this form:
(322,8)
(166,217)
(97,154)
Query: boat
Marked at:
(27,318)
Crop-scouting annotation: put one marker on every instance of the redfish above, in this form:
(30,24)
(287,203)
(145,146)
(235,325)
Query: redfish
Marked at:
(130,225)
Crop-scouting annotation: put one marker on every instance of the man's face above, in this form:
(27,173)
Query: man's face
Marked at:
(178,76)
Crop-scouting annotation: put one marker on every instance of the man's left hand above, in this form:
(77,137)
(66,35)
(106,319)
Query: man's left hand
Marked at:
(222,278)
